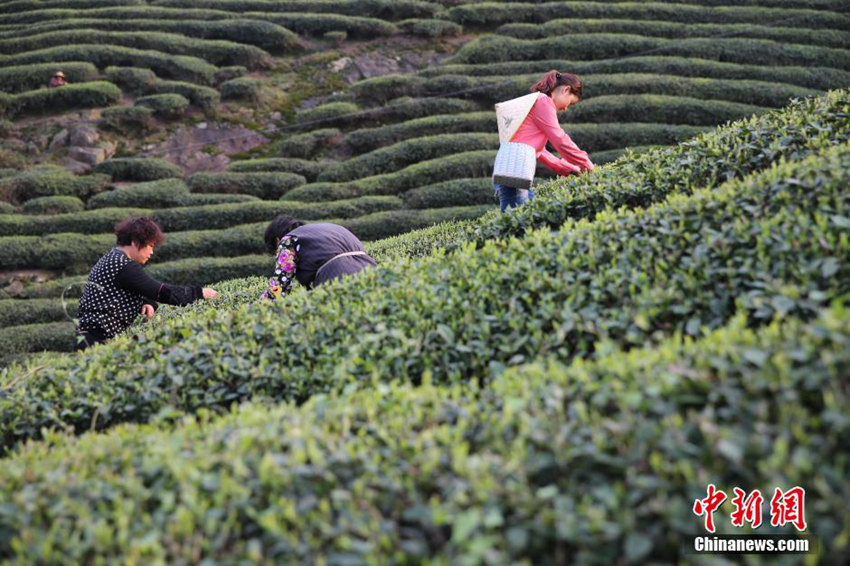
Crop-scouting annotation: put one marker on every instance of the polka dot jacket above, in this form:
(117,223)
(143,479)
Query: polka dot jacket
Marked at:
(116,290)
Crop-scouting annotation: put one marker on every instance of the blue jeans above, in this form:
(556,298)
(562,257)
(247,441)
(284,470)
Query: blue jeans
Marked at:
(510,197)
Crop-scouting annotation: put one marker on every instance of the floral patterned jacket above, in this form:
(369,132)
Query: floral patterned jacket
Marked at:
(286,264)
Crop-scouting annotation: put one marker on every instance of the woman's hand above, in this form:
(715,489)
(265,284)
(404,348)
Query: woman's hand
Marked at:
(210,293)
(148,311)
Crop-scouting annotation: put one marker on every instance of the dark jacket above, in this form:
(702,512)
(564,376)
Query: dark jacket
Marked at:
(116,290)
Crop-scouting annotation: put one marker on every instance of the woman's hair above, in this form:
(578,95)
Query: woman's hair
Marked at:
(553,79)
(139,230)
(282,225)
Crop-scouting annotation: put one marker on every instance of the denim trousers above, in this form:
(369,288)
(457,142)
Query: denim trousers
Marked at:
(510,197)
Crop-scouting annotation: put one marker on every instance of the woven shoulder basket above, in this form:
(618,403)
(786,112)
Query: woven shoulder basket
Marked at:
(515,162)
(515,165)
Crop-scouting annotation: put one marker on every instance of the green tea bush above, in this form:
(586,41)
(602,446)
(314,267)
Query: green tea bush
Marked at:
(320,24)
(76,253)
(187,68)
(138,169)
(203,199)
(671,30)
(16,312)
(24,6)
(193,271)
(161,194)
(815,77)
(379,90)
(207,271)
(231,293)
(227,215)
(68,253)
(611,155)
(86,222)
(10,159)
(128,120)
(457,192)
(304,167)
(191,217)
(365,140)
(475,463)
(732,151)
(425,241)
(229,73)
(431,28)
(52,336)
(467,164)
(492,14)
(6,207)
(729,152)
(661,109)
(405,108)
(325,192)
(761,93)
(132,79)
(217,52)
(344,114)
(408,152)
(337,37)
(38,19)
(68,97)
(241,89)
(265,35)
(270,185)
(383,9)
(494,49)
(205,98)
(229,242)
(591,137)
(393,222)
(165,106)
(30,77)
(35,183)
(53,205)
(327,112)
(601,137)
(628,279)
(307,145)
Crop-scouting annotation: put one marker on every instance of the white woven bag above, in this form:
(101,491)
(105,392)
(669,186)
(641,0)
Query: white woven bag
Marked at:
(516,162)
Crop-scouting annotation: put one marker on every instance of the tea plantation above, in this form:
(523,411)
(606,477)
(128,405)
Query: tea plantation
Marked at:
(556,385)
(563,381)
(384,155)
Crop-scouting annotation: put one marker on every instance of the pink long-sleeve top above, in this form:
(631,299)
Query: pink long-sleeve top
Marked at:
(541,125)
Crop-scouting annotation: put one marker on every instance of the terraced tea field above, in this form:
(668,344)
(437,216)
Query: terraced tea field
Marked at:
(556,385)
(560,381)
(382,156)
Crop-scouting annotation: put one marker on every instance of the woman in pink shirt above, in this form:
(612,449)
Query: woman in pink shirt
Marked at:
(556,91)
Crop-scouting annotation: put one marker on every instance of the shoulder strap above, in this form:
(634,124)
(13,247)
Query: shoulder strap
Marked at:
(511,114)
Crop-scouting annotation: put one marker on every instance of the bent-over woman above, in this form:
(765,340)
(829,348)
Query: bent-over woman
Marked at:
(118,288)
(556,92)
(311,254)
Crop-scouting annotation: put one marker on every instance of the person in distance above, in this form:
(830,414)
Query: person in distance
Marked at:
(118,288)
(311,254)
(556,92)
(58,79)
